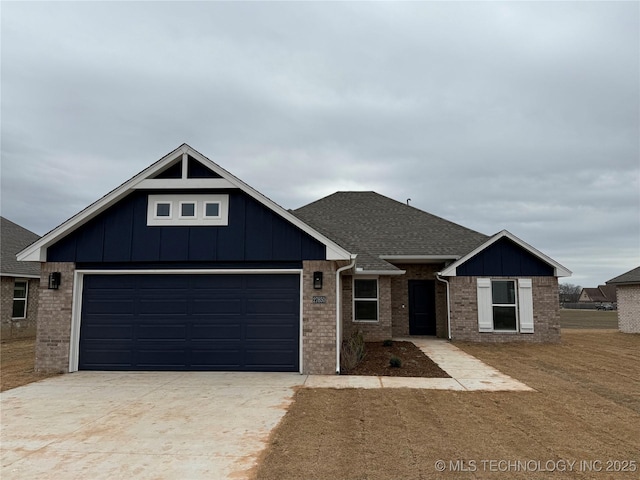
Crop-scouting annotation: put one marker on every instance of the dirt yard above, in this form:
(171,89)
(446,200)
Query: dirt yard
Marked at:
(17,359)
(586,410)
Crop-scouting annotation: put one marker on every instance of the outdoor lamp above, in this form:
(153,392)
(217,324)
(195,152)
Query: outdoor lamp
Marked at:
(317,280)
(54,280)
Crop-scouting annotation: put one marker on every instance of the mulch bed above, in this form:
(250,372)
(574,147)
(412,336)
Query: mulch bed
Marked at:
(414,362)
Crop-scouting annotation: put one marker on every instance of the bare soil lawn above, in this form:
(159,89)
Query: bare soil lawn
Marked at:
(17,358)
(586,409)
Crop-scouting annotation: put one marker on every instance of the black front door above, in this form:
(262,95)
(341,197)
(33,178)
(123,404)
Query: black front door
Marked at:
(422,307)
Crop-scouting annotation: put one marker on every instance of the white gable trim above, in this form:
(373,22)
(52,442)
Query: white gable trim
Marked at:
(38,250)
(559,270)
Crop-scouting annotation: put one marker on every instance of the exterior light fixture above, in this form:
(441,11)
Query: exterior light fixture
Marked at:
(54,280)
(317,280)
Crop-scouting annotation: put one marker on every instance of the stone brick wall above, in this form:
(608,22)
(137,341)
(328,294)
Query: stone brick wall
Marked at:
(629,308)
(18,327)
(319,319)
(400,297)
(54,319)
(372,331)
(464,312)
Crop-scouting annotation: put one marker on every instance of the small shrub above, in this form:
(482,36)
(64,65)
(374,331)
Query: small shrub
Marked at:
(353,351)
(387,343)
(395,362)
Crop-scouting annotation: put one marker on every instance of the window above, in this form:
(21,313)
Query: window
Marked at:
(505,305)
(365,300)
(187,210)
(211,210)
(503,295)
(20,290)
(163,210)
(192,210)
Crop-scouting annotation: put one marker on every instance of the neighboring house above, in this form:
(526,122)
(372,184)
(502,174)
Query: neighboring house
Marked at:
(628,287)
(186,267)
(601,294)
(19,283)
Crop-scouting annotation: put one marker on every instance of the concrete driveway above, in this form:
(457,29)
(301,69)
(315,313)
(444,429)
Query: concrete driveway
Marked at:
(191,425)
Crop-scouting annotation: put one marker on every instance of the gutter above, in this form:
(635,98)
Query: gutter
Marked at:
(338,310)
(448,305)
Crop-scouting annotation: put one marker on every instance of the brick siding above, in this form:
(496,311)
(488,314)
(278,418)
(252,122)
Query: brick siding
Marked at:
(464,312)
(319,319)
(54,319)
(629,308)
(372,331)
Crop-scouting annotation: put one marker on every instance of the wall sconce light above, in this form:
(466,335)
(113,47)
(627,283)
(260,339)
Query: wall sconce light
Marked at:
(317,280)
(54,280)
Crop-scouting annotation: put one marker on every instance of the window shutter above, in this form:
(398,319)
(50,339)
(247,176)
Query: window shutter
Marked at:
(525,304)
(485,308)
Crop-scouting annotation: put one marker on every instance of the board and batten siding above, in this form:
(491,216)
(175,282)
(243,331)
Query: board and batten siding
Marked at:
(504,258)
(121,234)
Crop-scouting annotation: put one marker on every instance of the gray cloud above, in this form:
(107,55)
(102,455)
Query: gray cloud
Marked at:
(516,115)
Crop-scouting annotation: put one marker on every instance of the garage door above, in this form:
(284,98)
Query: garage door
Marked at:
(190,322)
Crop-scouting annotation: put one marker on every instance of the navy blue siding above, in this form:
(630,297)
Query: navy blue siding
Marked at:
(190,322)
(505,258)
(121,234)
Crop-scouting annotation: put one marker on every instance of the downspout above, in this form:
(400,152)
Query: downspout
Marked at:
(448,305)
(339,310)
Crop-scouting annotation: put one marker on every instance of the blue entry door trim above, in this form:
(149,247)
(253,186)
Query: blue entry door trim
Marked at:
(236,322)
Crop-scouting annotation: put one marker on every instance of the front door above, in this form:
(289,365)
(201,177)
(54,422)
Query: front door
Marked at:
(422,307)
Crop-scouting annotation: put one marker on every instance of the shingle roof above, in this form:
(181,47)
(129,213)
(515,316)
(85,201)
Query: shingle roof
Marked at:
(602,293)
(13,238)
(373,225)
(632,276)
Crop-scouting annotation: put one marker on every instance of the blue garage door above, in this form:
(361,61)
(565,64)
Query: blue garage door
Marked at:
(190,322)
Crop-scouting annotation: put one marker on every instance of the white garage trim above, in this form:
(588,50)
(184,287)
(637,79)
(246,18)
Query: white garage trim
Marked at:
(76,312)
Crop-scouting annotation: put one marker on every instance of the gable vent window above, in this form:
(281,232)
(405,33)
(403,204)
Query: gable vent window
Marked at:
(187,210)
(211,210)
(163,210)
(192,210)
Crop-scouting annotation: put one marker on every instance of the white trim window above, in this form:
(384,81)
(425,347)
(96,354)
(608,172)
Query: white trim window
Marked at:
(192,210)
(365,299)
(505,305)
(20,294)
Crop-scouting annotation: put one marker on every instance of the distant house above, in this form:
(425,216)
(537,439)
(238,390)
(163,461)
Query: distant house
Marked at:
(601,294)
(20,281)
(628,287)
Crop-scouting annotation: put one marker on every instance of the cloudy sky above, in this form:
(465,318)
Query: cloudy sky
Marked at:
(519,116)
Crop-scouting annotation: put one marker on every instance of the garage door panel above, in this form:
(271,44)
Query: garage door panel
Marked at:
(190,322)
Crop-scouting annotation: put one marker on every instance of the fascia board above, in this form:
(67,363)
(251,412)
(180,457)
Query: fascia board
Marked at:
(37,251)
(559,270)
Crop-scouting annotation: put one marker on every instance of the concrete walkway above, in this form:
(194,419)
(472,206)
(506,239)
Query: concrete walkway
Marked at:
(466,371)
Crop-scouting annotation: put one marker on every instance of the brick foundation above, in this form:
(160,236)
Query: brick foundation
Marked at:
(464,313)
(54,319)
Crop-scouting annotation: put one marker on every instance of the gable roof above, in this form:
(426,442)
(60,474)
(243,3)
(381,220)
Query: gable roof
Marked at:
(628,278)
(602,293)
(559,270)
(13,239)
(380,230)
(155,177)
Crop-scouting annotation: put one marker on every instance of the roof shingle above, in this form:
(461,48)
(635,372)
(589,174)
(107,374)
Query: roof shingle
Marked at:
(13,238)
(373,225)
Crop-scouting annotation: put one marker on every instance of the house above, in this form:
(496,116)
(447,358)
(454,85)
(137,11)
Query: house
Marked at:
(186,267)
(601,294)
(628,295)
(19,282)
